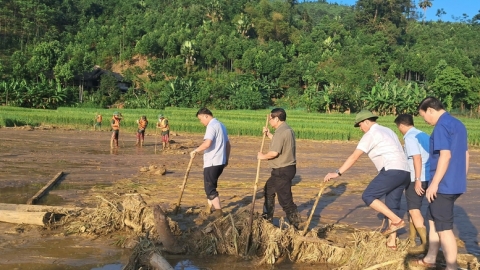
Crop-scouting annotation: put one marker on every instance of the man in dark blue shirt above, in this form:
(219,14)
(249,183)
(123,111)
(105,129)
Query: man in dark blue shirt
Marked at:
(449,160)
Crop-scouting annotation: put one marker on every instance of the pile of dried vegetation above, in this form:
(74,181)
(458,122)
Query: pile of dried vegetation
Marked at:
(340,246)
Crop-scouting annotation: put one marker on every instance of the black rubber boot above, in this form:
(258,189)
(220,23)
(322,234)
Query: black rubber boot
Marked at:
(268,208)
(294,219)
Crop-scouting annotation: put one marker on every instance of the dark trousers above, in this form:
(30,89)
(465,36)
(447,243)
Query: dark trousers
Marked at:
(390,184)
(210,180)
(115,134)
(141,134)
(280,183)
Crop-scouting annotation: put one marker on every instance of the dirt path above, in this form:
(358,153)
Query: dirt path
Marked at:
(29,159)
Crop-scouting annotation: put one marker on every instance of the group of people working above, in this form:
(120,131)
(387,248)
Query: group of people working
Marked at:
(433,167)
(142,123)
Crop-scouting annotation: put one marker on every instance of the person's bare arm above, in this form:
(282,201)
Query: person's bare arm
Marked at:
(204,146)
(467,160)
(266,131)
(269,155)
(228,148)
(442,166)
(346,165)
(417,166)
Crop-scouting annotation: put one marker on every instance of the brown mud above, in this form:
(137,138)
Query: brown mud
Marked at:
(30,158)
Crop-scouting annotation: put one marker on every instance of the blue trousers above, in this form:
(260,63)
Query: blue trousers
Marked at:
(390,184)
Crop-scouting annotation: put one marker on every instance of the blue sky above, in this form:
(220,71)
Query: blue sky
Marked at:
(451,7)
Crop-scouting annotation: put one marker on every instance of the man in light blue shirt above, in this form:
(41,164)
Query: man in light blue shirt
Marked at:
(216,147)
(416,150)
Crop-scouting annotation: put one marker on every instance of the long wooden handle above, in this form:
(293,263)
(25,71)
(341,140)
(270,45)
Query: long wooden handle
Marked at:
(250,222)
(184,184)
(313,209)
(156,132)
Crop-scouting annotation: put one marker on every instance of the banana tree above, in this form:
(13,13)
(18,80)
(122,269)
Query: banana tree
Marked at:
(188,51)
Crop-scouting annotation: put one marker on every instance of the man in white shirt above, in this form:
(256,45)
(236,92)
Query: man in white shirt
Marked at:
(384,149)
(215,158)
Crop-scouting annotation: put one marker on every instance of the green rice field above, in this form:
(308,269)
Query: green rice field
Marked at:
(313,126)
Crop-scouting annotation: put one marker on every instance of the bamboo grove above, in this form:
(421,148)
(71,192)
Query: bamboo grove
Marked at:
(238,54)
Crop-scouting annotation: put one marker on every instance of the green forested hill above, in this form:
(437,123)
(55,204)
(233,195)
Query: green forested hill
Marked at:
(235,54)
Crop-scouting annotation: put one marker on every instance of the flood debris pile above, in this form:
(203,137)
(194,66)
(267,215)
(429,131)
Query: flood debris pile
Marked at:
(340,246)
(129,213)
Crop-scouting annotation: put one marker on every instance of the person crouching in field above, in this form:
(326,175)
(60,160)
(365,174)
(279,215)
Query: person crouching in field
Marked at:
(384,149)
(115,124)
(142,125)
(417,145)
(164,127)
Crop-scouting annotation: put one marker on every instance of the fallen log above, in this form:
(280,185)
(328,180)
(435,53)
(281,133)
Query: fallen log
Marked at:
(45,189)
(39,208)
(159,263)
(164,233)
(32,218)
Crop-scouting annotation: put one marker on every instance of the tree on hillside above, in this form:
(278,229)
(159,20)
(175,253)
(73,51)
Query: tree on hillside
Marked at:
(476,18)
(440,13)
(376,13)
(424,5)
(451,85)
(188,51)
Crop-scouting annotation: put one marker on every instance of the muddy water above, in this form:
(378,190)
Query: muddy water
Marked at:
(29,159)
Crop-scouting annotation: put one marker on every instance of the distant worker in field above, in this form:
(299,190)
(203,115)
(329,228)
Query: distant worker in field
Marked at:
(216,147)
(164,127)
(98,121)
(115,124)
(382,146)
(282,159)
(417,145)
(142,125)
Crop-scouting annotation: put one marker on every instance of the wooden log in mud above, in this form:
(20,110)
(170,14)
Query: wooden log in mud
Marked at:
(45,189)
(165,235)
(159,263)
(40,208)
(32,218)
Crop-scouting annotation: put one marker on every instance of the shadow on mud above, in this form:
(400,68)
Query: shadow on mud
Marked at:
(329,195)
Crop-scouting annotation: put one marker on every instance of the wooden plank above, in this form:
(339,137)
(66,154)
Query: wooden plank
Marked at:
(16,217)
(45,189)
(39,208)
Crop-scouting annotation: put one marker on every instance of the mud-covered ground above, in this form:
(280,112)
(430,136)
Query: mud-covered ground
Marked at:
(30,158)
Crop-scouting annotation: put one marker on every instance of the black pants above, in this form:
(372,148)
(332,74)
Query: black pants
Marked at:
(280,183)
(210,180)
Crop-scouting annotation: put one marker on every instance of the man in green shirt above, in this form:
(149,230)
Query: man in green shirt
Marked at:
(282,159)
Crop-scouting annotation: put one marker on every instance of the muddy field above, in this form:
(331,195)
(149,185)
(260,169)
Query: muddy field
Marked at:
(30,158)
